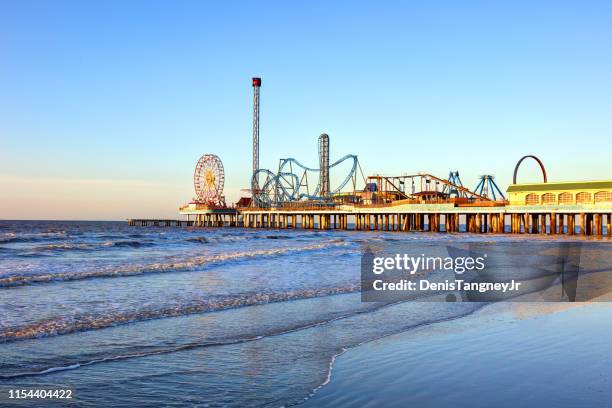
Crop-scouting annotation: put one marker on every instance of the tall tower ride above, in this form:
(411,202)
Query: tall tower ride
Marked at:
(324,165)
(256,86)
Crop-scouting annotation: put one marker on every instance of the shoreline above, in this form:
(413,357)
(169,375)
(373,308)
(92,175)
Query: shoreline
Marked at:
(345,350)
(347,367)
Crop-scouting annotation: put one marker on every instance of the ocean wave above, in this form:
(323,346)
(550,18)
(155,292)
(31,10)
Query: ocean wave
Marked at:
(61,247)
(128,244)
(16,239)
(172,266)
(232,238)
(216,239)
(55,327)
(75,363)
(11,237)
(278,237)
(199,240)
(66,246)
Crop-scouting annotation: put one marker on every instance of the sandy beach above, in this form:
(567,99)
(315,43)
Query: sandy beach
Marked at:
(482,360)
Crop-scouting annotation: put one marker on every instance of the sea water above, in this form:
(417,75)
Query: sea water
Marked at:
(150,316)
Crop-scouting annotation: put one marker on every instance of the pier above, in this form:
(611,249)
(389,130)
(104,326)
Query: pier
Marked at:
(442,218)
(158,222)
(297,196)
(445,221)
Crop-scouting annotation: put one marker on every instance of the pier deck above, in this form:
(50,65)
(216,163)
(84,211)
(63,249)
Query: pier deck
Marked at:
(551,220)
(159,222)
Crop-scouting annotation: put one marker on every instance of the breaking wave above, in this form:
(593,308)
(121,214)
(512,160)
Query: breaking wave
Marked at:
(172,266)
(15,239)
(128,244)
(200,240)
(11,237)
(75,363)
(64,246)
(219,239)
(216,239)
(55,326)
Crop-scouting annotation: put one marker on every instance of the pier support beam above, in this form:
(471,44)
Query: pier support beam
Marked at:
(553,223)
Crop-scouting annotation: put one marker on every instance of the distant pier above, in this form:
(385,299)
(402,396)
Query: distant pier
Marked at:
(158,222)
(563,208)
(284,199)
(427,218)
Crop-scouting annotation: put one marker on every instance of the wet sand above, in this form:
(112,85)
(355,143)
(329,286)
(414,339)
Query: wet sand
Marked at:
(505,355)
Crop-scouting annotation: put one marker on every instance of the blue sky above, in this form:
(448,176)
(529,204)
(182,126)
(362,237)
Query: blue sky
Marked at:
(106,106)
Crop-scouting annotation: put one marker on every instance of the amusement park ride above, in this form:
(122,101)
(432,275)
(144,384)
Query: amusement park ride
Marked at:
(208,181)
(291,183)
(294,184)
(299,196)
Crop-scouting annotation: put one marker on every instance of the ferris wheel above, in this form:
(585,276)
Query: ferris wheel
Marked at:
(208,180)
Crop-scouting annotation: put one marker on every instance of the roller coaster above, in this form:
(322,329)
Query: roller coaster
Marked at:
(291,183)
(294,182)
(425,187)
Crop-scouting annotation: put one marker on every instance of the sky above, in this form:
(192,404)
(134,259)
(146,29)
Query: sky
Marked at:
(106,106)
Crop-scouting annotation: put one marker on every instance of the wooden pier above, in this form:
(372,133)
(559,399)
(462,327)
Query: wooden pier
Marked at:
(425,218)
(158,222)
(581,208)
(489,220)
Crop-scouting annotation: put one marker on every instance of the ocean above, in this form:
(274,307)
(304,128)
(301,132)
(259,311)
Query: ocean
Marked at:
(164,316)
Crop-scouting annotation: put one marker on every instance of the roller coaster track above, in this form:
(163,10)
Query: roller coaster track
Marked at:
(469,193)
(285,185)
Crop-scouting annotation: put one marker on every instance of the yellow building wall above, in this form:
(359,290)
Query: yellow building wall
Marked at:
(582,196)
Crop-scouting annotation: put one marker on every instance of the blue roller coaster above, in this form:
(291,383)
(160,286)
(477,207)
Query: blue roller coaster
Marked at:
(290,183)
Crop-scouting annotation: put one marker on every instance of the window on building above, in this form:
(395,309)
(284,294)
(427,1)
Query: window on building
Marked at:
(603,196)
(566,198)
(583,197)
(549,198)
(532,199)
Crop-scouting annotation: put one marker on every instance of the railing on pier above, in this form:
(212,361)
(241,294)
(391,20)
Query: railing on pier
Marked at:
(154,222)
(495,220)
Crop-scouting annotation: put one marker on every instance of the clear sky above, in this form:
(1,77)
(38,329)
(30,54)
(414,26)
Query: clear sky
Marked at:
(106,106)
